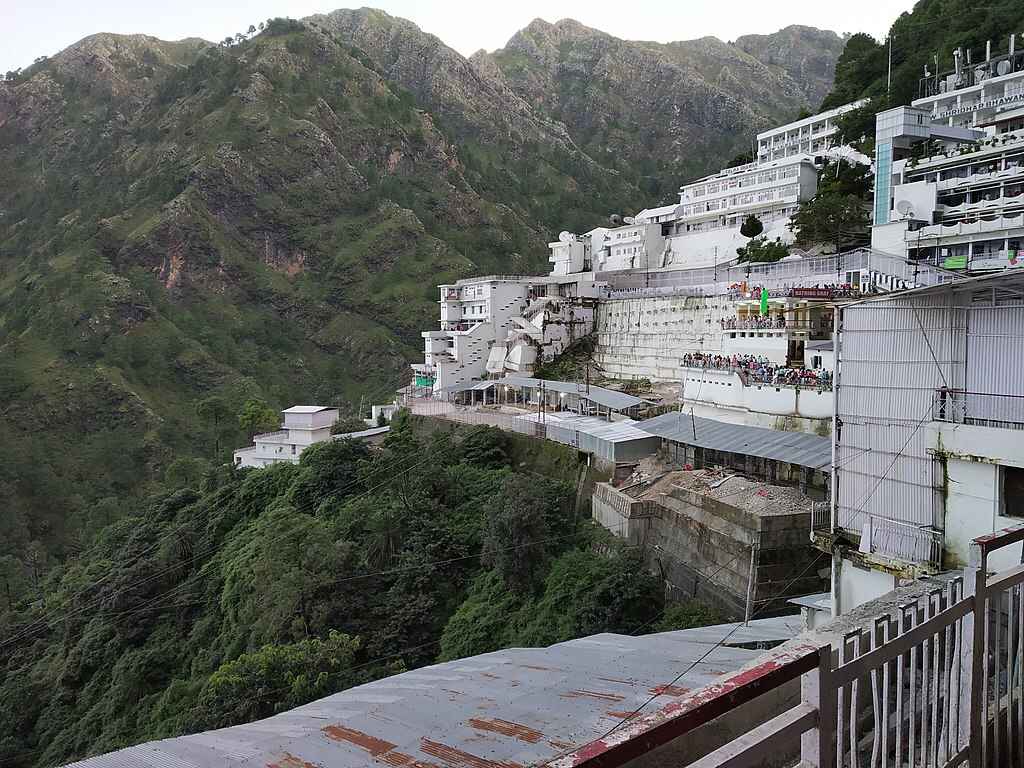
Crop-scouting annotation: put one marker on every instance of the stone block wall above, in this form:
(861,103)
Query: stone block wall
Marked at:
(701,548)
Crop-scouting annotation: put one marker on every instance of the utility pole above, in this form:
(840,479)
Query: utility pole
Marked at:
(748,611)
(888,79)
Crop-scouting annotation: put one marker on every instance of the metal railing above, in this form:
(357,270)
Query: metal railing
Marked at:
(784,276)
(937,681)
(983,409)
(821,516)
(905,542)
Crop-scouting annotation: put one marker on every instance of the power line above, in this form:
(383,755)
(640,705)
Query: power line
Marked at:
(860,506)
(42,621)
(678,677)
(45,620)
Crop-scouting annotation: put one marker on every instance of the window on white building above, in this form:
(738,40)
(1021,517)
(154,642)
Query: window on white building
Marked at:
(1011,491)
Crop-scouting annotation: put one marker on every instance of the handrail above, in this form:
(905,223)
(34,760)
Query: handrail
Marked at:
(642,734)
(999,539)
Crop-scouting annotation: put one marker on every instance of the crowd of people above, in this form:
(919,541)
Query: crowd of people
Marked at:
(752,323)
(754,369)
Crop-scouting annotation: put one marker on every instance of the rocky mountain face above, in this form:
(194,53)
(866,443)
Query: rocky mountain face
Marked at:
(660,113)
(186,222)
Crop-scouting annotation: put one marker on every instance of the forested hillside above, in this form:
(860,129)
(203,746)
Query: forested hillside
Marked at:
(195,235)
(248,592)
(187,228)
(932,28)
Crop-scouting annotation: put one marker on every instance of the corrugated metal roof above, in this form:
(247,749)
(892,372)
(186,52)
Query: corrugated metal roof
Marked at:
(793,447)
(610,431)
(370,432)
(505,709)
(609,398)
(308,409)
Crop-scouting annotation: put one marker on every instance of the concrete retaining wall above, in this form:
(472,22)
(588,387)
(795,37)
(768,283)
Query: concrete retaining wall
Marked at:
(626,517)
(647,338)
(701,548)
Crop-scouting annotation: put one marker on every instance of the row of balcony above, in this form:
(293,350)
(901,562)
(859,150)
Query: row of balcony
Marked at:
(967,227)
(729,188)
(994,146)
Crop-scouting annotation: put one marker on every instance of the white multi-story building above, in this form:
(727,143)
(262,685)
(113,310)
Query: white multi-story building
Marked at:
(817,135)
(502,324)
(770,190)
(785,173)
(989,93)
(950,168)
(635,245)
(301,427)
(927,434)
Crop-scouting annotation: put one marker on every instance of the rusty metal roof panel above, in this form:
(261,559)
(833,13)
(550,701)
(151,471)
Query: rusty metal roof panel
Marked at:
(504,709)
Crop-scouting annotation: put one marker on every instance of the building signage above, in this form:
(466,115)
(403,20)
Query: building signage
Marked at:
(990,104)
(811,293)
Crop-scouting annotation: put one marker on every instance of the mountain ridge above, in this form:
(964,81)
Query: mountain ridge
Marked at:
(268,221)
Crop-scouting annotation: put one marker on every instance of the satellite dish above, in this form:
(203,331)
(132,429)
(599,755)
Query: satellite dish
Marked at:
(678,212)
(615,219)
(628,220)
(566,237)
(1003,68)
(904,208)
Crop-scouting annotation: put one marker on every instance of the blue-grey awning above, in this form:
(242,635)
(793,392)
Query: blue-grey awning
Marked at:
(792,447)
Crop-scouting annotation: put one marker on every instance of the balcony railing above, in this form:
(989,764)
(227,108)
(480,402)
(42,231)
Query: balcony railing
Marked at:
(751,372)
(821,517)
(982,409)
(904,542)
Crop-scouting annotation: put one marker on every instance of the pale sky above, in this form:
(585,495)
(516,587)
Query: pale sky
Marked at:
(31,28)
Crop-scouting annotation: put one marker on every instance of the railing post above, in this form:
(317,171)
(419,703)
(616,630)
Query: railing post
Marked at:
(972,688)
(818,745)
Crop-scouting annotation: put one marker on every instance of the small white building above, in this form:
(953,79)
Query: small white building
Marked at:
(636,245)
(387,411)
(302,426)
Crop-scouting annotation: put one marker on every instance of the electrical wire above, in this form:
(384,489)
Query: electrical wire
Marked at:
(45,620)
(674,680)
(860,506)
(162,540)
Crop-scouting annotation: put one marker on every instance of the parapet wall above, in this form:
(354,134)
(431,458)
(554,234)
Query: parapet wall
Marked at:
(621,514)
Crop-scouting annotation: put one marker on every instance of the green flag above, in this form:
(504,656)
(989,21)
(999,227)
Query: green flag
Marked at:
(764,302)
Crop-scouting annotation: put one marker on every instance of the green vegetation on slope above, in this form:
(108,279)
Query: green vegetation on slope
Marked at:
(265,222)
(933,27)
(255,591)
